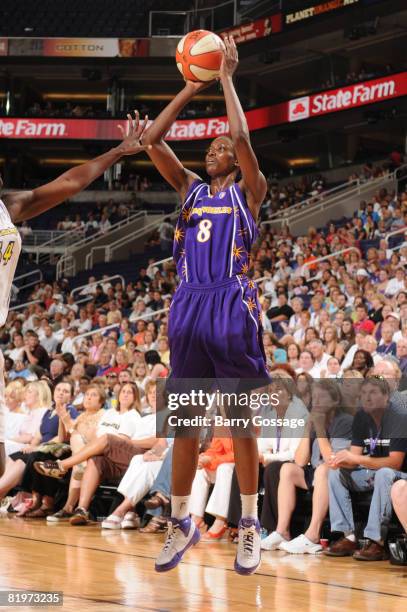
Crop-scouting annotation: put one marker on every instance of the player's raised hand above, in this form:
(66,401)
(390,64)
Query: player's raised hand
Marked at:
(230,58)
(132,136)
(197,86)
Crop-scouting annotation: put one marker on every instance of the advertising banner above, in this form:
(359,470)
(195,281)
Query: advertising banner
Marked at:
(299,109)
(305,14)
(78,47)
(352,96)
(256,29)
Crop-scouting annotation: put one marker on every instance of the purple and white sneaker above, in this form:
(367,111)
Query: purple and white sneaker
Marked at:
(248,554)
(181,535)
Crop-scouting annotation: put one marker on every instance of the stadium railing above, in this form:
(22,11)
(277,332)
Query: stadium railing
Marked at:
(28,275)
(101,330)
(94,284)
(325,257)
(111,248)
(74,257)
(71,239)
(37,238)
(65,266)
(295,217)
(22,306)
(160,262)
(311,200)
(394,233)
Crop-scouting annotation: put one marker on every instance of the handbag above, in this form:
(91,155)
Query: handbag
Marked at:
(56,449)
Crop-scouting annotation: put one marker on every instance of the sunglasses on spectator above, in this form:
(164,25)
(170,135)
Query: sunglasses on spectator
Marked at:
(112,375)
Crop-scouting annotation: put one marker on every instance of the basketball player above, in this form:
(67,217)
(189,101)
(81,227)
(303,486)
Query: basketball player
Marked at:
(214,323)
(21,205)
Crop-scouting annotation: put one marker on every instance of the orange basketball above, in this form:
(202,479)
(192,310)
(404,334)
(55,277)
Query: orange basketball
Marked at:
(199,55)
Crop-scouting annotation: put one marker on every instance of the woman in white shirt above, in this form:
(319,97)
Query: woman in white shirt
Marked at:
(282,440)
(14,416)
(140,375)
(110,422)
(278,444)
(140,475)
(37,400)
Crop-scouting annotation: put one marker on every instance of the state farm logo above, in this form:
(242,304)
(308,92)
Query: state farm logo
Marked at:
(35,128)
(298,109)
(206,128)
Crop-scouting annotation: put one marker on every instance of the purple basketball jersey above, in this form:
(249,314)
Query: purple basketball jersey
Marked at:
(214,235)
(214,323)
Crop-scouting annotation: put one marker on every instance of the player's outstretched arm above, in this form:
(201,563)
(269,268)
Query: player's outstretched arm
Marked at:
(254,183)
(164,159)
(24,205)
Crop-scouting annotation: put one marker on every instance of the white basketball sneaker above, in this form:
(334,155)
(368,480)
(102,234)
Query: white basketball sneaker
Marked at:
(272,541)
(181,535)
(301,545)
(248,554)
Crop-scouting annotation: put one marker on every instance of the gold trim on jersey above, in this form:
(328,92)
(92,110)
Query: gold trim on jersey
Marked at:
(212,210)
(7,232)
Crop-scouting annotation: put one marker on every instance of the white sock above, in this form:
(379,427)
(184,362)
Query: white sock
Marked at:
(179,506)
(249,505)
(351,537)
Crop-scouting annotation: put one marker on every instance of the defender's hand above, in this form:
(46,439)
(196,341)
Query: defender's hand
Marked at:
(132,143)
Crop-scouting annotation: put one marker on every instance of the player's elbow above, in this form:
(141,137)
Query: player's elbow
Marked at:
(149,138)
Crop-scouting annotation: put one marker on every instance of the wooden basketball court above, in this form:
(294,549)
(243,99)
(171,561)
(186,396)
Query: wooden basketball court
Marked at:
(111,570)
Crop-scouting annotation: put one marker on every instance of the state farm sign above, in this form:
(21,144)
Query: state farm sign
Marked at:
(105,130)
(347,97)
(299,109)
(195,130)
(26,128)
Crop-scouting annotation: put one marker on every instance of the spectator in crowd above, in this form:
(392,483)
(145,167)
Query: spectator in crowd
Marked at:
(109,423)
(37,400)
(215,466)
(49,342)
(328,430)
(362,361)
(387,346)
(134,485)
(279,444)
(34,353)
(166,232)
(377,457)
(43,490)
(14,416)
(56,369)
(16,353)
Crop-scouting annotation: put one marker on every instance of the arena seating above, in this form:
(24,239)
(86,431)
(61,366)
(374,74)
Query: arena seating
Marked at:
(60,18)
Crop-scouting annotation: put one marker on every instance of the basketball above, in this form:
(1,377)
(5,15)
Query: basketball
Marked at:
(199,55)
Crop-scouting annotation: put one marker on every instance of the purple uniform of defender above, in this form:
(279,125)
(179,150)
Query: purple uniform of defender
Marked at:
(214,320)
